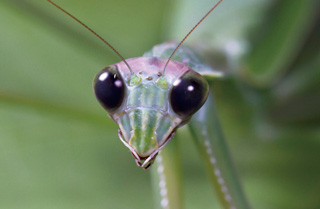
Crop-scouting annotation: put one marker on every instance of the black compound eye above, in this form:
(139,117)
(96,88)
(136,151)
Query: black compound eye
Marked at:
(109,88)
(188,94)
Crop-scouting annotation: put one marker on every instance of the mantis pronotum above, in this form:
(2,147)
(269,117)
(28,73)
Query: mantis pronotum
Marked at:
(150,97)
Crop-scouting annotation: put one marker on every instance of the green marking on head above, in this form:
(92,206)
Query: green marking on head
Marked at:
(143,139)
(135,80)
(162,82)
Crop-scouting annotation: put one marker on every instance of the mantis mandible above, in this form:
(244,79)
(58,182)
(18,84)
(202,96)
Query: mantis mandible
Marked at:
(150,97)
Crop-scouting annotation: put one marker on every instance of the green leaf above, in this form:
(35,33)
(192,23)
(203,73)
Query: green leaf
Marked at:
(281,36)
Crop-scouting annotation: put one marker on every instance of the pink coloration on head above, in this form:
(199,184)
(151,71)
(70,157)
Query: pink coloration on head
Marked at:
(151,67)
(185,60)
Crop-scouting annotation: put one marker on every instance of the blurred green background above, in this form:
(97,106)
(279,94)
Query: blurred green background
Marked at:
(58,148)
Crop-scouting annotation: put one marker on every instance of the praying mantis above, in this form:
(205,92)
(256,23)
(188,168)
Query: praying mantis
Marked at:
(150,97)
(60,149)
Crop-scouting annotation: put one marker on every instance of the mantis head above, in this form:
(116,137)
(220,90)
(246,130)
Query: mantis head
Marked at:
(148,97)
(149,106)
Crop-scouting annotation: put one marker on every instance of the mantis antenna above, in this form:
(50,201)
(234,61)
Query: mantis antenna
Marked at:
(194,27)
(92,31)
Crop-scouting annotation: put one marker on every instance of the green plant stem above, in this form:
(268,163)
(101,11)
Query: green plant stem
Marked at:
(211,144)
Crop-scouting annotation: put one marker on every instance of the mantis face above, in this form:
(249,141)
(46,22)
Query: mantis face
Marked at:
(149,106)
(148,97)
